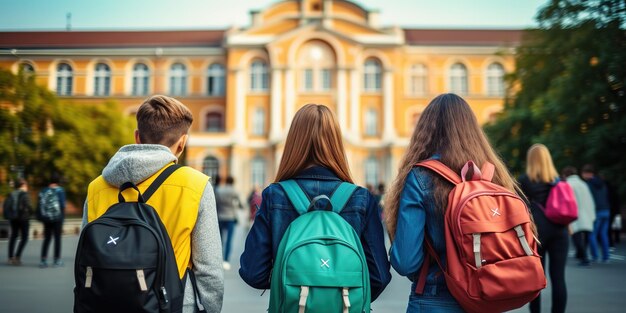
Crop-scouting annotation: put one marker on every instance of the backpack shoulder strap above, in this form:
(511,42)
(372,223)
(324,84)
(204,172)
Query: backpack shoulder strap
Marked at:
(159,180)
(442,170)
(298,198)
(341,195)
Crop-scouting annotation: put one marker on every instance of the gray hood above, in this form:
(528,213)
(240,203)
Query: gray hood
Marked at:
(135,163)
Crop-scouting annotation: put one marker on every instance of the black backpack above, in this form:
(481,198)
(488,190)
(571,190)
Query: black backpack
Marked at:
(125,261)
(14,206)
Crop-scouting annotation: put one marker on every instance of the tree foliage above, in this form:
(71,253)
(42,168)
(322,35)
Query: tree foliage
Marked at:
(41,136)
(569,89)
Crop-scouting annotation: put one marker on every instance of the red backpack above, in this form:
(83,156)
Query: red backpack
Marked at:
(561,207)
(491,253)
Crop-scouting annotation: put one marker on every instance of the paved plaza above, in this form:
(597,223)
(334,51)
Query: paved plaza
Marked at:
(599,288)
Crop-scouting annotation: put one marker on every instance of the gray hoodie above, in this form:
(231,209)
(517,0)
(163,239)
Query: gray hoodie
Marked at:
(138,162)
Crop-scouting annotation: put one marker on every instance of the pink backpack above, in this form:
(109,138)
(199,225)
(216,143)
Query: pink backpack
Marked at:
(491,253)
(561,207)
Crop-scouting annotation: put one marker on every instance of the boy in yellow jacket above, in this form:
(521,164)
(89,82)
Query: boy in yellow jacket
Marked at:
(185,202)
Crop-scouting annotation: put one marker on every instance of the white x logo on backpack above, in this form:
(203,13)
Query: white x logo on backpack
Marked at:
(325,263)
(113,240)
(495,212)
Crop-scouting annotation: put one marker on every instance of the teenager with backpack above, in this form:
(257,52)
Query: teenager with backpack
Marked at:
(538,181)
(317,239)
(17,210)
(460,233)
(51,212)
(150,221)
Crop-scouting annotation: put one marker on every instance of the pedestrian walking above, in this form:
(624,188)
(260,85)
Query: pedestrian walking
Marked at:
(582,227)
(600,193)
(17,210)
(541,176)
(51,212)
(228,203)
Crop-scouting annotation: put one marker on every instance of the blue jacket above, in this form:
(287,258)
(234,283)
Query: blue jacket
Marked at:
(276,213)
(418,215)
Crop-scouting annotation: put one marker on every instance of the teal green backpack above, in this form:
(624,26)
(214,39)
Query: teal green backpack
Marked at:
(320,266)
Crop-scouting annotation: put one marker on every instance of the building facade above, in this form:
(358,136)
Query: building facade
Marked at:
(244,85)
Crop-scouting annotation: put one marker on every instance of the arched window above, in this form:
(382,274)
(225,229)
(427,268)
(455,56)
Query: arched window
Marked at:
(418,79)
(211,167)
(178,79)
(102,80)
(259,80)
(258,122)
(259,171)
(458,79)
(371,122)
(214,122)
(495,80)
(27,69)
(65,78)
(372,75)
(316,61)
(371,171)
(141,79)
(215,80)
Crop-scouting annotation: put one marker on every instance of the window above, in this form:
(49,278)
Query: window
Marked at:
(64,79)
(371,122)
(259,80)
(258,122)
(210,167)
(371,171)
(214,122)
(141,79)
(418,79)
(307,80)
(215,80)
(458,79)
(178,79)
(495,80)
(258,171)
(326,79)
(27,69)
(102,80)
(372,76)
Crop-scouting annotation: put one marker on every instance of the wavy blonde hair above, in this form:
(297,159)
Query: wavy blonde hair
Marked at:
(314,138)
(539,165)
(447,127)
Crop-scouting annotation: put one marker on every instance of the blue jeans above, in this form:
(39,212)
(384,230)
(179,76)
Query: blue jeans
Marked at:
(600,227)
(435,299)
(229,227)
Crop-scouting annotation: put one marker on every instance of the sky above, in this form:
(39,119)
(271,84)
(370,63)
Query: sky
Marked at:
(221,14)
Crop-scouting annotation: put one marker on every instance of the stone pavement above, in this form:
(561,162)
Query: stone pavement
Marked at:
(599,288)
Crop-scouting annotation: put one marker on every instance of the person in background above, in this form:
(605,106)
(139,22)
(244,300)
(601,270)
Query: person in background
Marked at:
(582,227)
(228,203)
(52,195)
(17,209)
(540,177)
(600,193)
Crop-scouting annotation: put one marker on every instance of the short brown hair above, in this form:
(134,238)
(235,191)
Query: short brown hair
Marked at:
(162,120)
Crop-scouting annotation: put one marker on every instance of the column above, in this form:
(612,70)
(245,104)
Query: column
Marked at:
(342,101)
(240,107)
(290,96)
(355,103)
(389,131)
(276,127)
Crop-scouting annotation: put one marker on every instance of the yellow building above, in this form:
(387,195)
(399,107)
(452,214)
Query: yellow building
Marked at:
(244,85)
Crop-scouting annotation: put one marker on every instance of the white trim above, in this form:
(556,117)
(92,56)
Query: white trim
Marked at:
(108,52)
(290,96)
(355,103)
(342,105)
(240,107)
(389,131)
(456,50)
(203,140)
(16,64)
(276,109)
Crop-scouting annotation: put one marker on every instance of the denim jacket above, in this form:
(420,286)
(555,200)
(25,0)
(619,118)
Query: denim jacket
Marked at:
(276,213)
(418,216)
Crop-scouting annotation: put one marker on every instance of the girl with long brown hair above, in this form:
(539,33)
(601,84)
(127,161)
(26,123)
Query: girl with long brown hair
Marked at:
(415,204)
(315,159)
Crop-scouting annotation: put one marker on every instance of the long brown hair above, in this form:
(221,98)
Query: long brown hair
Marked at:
(314,138)
(448,128)
(539,165)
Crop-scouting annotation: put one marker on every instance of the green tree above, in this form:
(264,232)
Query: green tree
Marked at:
(40,135)
(569,89)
